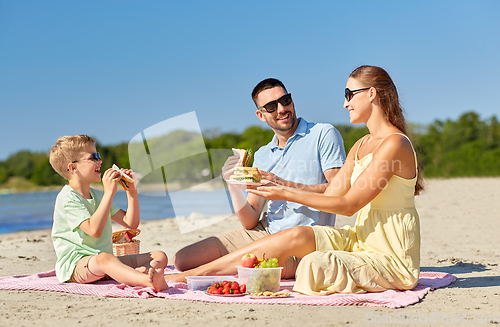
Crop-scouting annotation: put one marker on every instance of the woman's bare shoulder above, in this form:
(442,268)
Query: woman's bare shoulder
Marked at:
(395,146)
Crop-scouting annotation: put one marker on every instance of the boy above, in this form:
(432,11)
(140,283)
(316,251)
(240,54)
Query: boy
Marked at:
(82,232)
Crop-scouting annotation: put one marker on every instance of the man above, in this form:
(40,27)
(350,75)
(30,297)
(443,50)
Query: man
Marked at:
(301,155)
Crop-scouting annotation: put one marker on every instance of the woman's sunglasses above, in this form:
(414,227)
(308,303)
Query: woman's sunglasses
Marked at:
(273,105)
(95,158)
(349,94)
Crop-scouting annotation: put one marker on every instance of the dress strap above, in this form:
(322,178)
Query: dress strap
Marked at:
(411,143)
(359,145)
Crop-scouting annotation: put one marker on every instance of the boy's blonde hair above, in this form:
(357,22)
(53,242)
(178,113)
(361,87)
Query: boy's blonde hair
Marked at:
(66,150)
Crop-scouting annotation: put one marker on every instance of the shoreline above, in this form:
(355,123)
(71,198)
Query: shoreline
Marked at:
(177,187)
(458,220)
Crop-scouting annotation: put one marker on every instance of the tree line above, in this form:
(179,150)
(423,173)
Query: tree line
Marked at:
(466,147)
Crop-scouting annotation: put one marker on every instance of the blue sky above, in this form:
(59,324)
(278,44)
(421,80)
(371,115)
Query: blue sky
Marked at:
(111,69)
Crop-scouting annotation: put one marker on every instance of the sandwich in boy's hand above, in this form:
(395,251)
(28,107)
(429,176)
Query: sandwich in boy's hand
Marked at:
(243,173)
(124,178)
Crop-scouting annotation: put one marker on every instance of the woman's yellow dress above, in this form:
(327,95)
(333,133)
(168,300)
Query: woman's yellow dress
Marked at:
(381,252)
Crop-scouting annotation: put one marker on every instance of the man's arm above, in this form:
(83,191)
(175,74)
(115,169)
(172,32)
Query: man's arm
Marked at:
(247,208)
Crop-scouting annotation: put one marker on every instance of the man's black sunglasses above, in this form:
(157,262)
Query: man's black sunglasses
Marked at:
(349,94)
(95,158)
(273,105)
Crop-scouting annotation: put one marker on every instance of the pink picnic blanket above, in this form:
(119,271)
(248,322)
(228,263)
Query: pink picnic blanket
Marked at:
(47,281)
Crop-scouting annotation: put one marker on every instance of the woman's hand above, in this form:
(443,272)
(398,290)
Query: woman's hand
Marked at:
(272,178)
(109,181)
(271,192)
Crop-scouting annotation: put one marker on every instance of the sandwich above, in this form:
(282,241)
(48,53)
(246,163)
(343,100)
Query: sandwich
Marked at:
(245,156)
(242,173)
(124,178)
(246,174)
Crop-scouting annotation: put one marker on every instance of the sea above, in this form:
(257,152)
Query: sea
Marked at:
(34,210)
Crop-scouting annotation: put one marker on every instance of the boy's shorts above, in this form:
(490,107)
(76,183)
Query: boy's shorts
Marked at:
(83,275)
(233,240)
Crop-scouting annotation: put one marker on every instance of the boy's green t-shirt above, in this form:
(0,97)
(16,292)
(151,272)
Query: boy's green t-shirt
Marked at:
(70,242)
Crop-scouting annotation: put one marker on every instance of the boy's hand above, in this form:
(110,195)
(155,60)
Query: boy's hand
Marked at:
(131,174)
(110,180)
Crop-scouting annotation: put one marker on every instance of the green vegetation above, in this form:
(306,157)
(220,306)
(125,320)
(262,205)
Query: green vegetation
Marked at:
(466,147)
(463,148)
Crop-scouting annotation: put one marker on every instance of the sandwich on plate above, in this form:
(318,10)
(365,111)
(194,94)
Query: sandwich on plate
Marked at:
(242,173)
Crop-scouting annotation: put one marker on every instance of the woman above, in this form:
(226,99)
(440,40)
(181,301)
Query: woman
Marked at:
(380,180)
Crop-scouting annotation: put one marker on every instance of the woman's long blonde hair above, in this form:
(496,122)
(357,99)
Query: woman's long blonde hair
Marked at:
(378,78)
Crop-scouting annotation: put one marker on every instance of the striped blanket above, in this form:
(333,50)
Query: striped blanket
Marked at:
(47,281)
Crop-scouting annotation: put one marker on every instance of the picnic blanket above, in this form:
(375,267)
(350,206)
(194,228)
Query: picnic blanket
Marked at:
(47,281)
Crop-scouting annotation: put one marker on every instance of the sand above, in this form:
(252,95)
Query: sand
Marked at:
(459,227)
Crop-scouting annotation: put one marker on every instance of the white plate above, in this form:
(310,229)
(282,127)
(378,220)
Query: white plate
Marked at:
(243,183)
(227,295)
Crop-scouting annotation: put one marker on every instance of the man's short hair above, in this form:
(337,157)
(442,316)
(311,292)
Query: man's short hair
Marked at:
(268,83)
(66,150)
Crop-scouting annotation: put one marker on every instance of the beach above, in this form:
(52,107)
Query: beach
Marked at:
(459,234)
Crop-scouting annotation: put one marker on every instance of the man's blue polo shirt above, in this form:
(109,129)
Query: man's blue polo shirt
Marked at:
(312,149)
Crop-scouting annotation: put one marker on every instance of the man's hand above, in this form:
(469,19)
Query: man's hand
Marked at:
(231,162)
(110,180)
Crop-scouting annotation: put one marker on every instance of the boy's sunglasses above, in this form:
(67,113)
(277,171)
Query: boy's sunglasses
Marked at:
(349,94)
(95,158)
(273,105)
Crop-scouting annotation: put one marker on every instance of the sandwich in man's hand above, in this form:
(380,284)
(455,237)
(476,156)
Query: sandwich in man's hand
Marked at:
(242,173)
(245,156)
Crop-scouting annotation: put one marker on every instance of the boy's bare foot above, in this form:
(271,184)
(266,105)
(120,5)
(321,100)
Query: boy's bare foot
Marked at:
(156,276)
(157,280)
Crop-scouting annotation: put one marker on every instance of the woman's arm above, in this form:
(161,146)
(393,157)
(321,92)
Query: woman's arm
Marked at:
(393,156)
(318,188)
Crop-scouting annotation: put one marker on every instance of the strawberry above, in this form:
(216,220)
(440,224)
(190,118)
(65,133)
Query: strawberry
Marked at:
(209,289)
(235,286)
(243,288)
(216,285)
(236,292)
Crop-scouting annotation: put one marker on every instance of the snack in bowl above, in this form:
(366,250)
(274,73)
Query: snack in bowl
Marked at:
(124,242)
(200,283)
(260,279)
(124,177)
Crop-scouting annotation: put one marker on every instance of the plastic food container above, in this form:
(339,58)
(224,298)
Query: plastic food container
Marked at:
(201,283)
(260,279)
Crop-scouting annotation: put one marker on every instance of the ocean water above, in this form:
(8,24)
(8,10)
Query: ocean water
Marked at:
(31,211)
